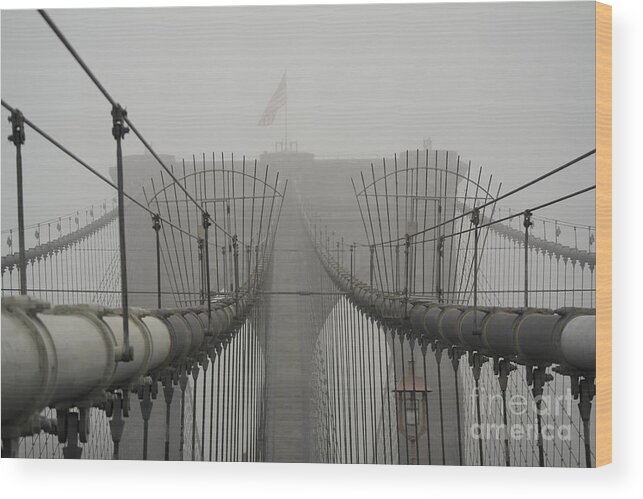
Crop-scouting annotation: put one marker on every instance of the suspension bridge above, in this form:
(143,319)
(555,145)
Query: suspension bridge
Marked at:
(399,310)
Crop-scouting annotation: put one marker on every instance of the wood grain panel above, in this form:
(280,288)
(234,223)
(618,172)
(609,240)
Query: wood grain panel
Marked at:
(604,234)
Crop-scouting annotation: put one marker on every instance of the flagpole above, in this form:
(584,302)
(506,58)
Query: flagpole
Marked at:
(286,115)
(278,101)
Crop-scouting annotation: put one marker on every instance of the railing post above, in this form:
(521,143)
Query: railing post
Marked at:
(475,220)
(439,269)
(17,137)
(208,296)
(407,247)
(118,132)
(372,264)
(156,225)
(438,349)
(235,246)
(586,391)
(537,377)
(195,378)
(396,283)
(168,379)
(454,354)
(503,368)
(352,262)
(73,429)
(249,261)
(527,223)
(476,360)
(183,384)
(225,266)
(202,283)
(117,407)
(327,239)
(256,266)
(146,392)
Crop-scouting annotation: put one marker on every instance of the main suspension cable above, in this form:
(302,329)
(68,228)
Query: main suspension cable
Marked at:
(57,144)
(111,100)
(495,200)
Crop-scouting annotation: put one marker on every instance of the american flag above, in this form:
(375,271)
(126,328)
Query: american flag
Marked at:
(278,100)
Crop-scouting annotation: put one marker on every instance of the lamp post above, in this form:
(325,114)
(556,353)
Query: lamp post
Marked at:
(412,397)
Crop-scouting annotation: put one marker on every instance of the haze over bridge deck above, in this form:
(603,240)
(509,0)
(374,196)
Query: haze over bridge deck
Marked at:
(378,311)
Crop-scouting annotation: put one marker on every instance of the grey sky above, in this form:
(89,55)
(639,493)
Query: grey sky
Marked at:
(509,86)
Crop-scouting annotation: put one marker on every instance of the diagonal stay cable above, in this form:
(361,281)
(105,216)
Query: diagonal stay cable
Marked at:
(57,144)
(182,187)
(111,100)
(521,213)
(500,198)
(73,52)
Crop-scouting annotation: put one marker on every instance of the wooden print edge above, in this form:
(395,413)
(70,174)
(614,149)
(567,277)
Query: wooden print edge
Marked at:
(603,430)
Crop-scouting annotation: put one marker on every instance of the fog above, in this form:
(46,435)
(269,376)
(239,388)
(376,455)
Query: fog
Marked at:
(509,86)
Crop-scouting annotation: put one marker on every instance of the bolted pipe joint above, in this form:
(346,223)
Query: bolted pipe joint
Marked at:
(117,408)
(42,423)
(476,361)
(146,391)
(33,426)
(28,342)
(127,353)
(119,115)
(183,378)
(424,343)
(586,390)
(71,434)
(168,379)
(586,393)
(203,361)
(454,354)
(437,347)
(504,369)
(538,377)
(475,216)
(205,220)
(17,121)
(192,366)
